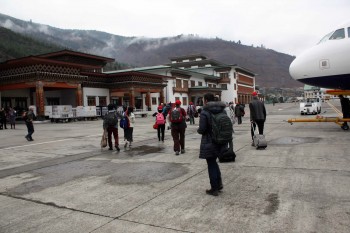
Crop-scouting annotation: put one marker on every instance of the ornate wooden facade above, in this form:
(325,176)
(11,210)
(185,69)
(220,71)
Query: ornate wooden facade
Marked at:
(72,70)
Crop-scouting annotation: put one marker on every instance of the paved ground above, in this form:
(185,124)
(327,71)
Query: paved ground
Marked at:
(64,182)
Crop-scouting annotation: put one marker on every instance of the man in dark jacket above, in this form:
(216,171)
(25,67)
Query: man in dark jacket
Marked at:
(28,119)
(239,112)
(209,150)
(345,107)
(257,114)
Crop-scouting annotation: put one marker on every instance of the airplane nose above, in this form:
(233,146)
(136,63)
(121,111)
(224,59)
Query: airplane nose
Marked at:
(294,69)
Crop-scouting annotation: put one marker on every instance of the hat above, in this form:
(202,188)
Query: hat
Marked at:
(191,103)
(160,107)
(254,93)
(177,102)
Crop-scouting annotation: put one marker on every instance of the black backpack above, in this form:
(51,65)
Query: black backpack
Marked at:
(222,130)
(111,119)
(176,115)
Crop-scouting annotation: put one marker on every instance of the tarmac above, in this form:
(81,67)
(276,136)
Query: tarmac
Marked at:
(64,182)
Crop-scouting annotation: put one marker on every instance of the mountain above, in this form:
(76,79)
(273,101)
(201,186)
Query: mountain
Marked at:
(270,66)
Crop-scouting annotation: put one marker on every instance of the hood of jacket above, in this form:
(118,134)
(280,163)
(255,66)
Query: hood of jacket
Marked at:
(215,107)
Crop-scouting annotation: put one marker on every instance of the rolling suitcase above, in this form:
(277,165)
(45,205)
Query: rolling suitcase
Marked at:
(259,140)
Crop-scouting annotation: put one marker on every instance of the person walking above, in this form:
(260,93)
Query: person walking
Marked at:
(191,111)
(239,112)
(345,107)
(128,132)
(177,117)
(2,119)
(160,121)
(257,115)
(28,118)
(110,123)
(12,117)
(208,149)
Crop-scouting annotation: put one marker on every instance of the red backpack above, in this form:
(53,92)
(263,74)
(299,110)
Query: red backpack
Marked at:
(160,119)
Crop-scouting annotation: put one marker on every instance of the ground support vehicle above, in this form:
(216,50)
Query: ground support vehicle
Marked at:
(311,106)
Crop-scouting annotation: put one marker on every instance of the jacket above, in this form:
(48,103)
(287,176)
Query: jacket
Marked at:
(207,148)
(257,110)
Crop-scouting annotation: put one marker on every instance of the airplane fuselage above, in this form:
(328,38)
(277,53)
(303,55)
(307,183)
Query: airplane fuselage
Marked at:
(327,64)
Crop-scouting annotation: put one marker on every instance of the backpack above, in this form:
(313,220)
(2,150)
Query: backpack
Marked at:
(124,122)
(160,119)
(111,119)
(176,115)
(222,130)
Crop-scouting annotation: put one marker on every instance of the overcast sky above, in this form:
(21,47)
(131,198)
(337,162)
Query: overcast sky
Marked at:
(288,26)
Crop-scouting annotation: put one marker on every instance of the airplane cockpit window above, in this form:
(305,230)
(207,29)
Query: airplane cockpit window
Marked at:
(325,38)
(338,34)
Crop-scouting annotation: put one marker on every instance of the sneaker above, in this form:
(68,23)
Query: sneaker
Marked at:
(28,139)
(183,151)
(126,144)
(212,192)
(110,148)
(117,148)
(177,153)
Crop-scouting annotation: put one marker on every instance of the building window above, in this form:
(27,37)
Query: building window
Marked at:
(193,83)
(185,83)
(234,75)
(223,75)
(184,100)
(224,86)
(210,85)
(91,100)
(178,83)
(235,86)
(102,100)
(154,101)
(200,84)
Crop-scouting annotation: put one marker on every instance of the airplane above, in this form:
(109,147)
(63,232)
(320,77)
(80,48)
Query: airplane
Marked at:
(326,64)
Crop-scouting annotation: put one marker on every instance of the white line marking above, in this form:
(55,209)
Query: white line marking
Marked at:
(41,143)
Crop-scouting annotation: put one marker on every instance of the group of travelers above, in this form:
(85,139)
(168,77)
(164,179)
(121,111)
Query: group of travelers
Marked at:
(110,125)
(7,115)
(210,147)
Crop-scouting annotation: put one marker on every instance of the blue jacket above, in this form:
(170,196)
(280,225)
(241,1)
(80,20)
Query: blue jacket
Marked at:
(207,148)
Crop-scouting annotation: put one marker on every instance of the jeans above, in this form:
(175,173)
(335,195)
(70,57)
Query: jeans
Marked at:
(112,130)
(30,128)
(178,134)
(214,173)
(160,132)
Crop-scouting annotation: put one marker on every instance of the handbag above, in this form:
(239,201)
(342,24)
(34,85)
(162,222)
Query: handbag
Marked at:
(104,139)
(155,126)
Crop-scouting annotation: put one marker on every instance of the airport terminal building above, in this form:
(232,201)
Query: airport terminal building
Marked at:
(73,78)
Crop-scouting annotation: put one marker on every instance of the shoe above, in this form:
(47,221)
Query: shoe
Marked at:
(126,144)
(253,144)
(129,144)
(183,151)
(110,148)
(177,153)
(28,139)
(31,139)
(212,192)
(117,148)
